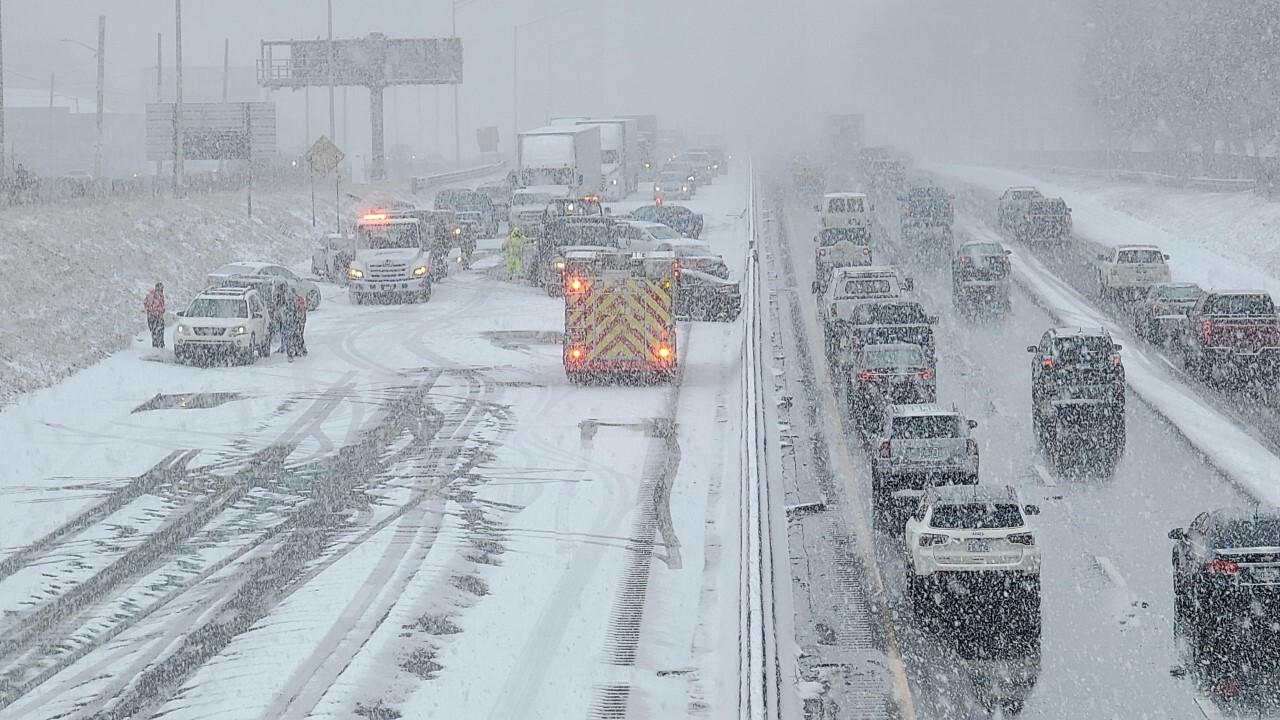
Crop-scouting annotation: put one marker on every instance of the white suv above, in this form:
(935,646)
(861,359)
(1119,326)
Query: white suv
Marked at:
(223,321)
(976,537)
(845,211)
(1131,269)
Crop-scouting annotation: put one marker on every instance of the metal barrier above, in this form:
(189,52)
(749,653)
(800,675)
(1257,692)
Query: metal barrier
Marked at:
(425,182)
(758,679)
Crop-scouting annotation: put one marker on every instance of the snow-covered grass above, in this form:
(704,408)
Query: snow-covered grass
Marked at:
(72,276)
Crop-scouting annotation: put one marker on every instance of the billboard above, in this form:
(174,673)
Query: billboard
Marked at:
(212,131)
(370,61)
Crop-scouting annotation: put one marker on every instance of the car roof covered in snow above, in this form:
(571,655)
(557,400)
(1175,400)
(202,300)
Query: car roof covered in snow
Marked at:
(920,409)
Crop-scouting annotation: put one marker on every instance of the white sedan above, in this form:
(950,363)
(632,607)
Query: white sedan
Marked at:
(972,532)
(301,285)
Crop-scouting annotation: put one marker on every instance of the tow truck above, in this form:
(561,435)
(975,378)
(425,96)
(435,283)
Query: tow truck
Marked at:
(619,316)
(389,259)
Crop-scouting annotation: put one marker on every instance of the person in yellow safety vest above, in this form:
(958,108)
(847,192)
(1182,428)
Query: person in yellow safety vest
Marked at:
(513,248)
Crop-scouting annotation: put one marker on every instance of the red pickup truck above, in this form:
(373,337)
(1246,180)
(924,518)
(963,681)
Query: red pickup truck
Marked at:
(1236,332)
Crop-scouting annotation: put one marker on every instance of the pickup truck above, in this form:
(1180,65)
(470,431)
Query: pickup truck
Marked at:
(1044,219)
(925,210)
(881,322)
(850,287)
(1234,332)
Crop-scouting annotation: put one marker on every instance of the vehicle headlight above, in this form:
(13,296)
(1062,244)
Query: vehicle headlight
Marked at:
(684,189)
(657,188)
(457,231)
(613,181)
(239,330)
(420,271)
(182,329)
(559,266)
(355,273)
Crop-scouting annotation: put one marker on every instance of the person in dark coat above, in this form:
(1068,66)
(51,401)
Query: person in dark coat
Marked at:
(291,321)
(278,301)
(153,304)
(301,338)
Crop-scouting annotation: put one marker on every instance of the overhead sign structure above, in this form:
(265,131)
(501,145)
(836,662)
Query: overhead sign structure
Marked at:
(323,156)
(212,131)
(487,138)
(374,62)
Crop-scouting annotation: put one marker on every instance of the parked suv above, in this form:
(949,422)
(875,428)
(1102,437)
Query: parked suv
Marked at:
(223,321)
(472,209)
(1226,581)
(918,446)
(976,540)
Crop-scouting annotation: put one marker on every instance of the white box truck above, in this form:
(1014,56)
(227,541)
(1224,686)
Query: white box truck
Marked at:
(566,155)
(620,155)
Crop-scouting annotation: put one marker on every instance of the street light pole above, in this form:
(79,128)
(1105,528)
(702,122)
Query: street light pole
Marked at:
(2,173)
(102,79)
(515,68)
(178,179)
(457,133)
(333,133)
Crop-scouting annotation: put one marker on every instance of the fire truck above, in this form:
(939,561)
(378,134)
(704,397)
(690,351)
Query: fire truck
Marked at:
(619,316)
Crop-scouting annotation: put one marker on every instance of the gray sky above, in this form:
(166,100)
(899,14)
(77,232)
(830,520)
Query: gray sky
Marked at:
(741,66)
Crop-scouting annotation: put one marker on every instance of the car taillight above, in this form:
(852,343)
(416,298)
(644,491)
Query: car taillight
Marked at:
(864,375)
(906,209)
(964,261)
(822,251)
(926,374)
(866,251)
(1208,328)
(1048,361)
(1026,216)
(1115,359)
(1218,566)
(1155,306)
(951,208)
(1022,539)
(833,309)
(1068,218)
(1002,258)
(886,450)
(971,446)
(575,353)
(929,540)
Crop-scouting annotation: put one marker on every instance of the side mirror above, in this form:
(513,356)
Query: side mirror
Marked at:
(1007,253)
(182,313)
(1069,210)
(1032,348)
(817,208)
(1103,257)
(908,284)
(817,287)
(1030,509)
(1178,534)
(1166,256)
(973,424)
(933,319)
(1117,347)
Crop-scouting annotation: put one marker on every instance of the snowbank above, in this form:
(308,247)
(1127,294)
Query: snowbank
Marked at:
(72,276)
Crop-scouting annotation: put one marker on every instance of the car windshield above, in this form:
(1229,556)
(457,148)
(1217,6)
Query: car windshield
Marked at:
(662,232)
(674,178)
(830,236)
(1243,304)
(864,287)
(226,308)
(1024,194)
(235,269)
(1178,292)
(977,250)
(1140,257)
(1263,532)
(975,516)
(531,198)
(845,205)
(926,427)
(388,237)
(890,314)
(927,193)
(1084,348)
(896,357)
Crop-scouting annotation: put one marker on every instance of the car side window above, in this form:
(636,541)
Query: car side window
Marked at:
(286,273)
(921,510)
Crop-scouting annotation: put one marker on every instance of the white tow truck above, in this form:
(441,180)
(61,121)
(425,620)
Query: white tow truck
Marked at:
(390,259)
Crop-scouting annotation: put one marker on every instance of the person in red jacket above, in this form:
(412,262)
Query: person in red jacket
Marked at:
(154,305)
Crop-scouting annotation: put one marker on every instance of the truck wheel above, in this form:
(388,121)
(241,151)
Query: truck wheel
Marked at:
(250,351)
(357,298)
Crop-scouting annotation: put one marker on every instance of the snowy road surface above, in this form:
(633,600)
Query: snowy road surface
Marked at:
(421,516)
(1107,644)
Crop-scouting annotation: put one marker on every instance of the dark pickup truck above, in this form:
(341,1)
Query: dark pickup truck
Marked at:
(882,322)
(1236,333)
(1044,219)
(925,210)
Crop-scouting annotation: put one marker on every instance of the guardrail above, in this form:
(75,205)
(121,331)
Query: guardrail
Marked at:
(424,182)
(758,680)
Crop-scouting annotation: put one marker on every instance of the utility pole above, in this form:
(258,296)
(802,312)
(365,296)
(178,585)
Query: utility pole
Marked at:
(226,67)
(102,81)
(333,132)
(2,171)
(50,129)
(457,134)
(159,90)
(178,180)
